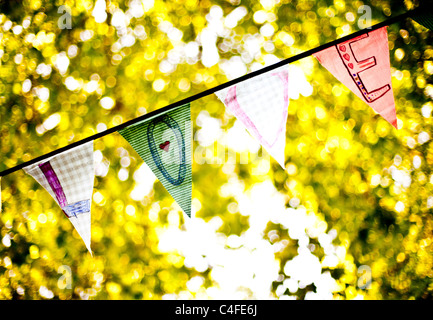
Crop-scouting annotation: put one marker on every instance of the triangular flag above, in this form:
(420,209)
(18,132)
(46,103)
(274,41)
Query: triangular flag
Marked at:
(261,103)
(424,18)
(362,64)
(69,177)
(164,143)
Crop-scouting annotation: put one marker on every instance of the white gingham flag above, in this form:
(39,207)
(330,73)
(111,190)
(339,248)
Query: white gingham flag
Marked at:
(68,177)
(261,103)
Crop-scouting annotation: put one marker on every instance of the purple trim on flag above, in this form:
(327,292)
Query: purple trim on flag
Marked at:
(54,182)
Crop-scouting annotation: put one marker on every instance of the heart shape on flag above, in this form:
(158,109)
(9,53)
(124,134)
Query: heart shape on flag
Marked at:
(164,146)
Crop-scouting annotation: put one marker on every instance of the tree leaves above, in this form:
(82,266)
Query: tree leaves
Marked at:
(355,192)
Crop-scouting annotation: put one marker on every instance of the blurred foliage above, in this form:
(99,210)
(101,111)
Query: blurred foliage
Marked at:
(369,184)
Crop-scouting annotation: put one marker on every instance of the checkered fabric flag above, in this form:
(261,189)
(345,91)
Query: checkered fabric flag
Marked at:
(261,103)
(68,177)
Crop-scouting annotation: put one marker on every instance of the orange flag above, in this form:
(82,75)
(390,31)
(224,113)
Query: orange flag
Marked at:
(362,64)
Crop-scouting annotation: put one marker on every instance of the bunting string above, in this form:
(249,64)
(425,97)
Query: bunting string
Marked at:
(210,91)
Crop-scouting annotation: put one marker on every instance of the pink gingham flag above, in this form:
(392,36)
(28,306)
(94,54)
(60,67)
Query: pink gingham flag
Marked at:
(261,103)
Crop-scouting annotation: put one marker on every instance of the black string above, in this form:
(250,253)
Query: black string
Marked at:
(209,92)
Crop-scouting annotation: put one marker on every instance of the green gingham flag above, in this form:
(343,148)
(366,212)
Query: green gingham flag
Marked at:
(425,19)
(164,143)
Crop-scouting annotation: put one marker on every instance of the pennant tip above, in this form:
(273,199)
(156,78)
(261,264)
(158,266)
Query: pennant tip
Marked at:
(281,161)
(392,121)
(88,248)
(282,164)
(188,214)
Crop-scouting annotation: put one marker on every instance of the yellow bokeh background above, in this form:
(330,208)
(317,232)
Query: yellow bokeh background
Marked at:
(349,217)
